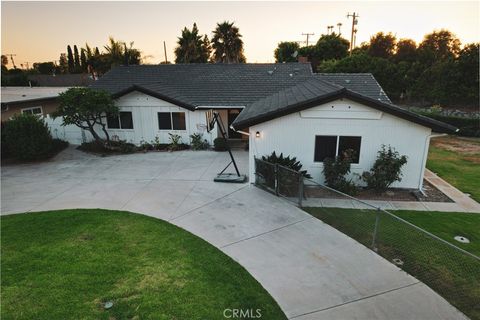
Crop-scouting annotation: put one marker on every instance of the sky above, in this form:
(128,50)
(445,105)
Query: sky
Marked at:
(40,31)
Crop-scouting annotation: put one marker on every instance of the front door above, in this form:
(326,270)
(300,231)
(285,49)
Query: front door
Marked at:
(232,115)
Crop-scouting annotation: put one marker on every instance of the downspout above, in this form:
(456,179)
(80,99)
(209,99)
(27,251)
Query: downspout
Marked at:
(425,156)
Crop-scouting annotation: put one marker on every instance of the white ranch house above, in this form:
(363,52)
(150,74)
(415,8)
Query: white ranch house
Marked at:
(278,107)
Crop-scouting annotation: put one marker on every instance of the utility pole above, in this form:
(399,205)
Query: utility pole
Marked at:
(165,51)
(308,35)
(339,25)
(11,55)
(354,23)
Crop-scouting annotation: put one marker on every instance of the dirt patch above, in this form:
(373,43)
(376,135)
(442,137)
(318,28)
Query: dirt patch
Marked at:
(464,145)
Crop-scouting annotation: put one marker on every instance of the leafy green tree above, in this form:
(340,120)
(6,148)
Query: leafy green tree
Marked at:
(192,47)
(332,46)
(115,51)
(406,51)
(76,59)
(227,44)
(86,108)
(63,63)
(382,45)
(44,67)
(71,62)
(285,51)
(83,59)
(439,45)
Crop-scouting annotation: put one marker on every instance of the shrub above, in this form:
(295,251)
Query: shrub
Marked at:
(386,169)
(198,143)
(145,146)
(175,143)
(26,137)
(335,171)
(291,163)
(157,145)
(220,144)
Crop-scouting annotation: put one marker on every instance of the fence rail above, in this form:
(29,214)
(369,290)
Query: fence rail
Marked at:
(451,271)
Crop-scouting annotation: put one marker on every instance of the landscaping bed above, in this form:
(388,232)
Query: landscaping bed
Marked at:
(122,147)
(67,264)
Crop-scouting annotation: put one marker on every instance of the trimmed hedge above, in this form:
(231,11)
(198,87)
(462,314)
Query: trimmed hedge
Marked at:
(469,127)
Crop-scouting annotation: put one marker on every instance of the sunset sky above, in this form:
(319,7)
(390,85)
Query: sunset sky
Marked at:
(40,31)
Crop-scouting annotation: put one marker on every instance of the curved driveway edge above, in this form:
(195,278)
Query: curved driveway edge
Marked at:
(312,270)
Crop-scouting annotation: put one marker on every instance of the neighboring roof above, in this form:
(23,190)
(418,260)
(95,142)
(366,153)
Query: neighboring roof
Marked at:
(363,83)
(13,95)
(61,80)
(314,92)
(206,84)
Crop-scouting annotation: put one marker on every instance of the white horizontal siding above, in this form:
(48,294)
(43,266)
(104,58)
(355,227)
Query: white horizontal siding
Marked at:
(295,135)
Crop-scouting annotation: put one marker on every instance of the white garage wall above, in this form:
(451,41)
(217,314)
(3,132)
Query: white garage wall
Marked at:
(294,135)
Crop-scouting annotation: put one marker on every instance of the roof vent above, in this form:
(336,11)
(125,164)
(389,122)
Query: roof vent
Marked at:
(347,80)
(270,72)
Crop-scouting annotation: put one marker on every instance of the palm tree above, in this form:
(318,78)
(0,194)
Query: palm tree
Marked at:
(227,44)
(191,48)
(115,51)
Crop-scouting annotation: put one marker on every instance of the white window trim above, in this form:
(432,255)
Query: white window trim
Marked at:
(31,108)
(171,122)
(353,164)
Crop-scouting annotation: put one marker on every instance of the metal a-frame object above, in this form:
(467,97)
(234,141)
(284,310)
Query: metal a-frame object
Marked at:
(212,118)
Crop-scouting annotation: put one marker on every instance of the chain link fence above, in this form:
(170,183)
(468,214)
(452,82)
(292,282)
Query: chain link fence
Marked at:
(448,269)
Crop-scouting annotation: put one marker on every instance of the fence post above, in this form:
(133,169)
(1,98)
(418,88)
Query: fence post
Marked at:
(375,230)
(275,170)
(300,189)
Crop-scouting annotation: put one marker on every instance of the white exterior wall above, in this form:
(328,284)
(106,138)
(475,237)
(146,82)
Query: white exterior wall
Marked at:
(294,135)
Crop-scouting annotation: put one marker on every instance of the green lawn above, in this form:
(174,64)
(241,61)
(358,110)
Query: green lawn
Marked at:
(459,168)
(66,264)
(454,275)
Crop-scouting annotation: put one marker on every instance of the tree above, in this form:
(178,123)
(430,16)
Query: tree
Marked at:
(83,60)
(115,50)
(332,46)
(71,62)
(382,45)
(131,55)
(63,63)
(439,45)
(76,58)
(86,108)
(285,52)
(406,51)
(4,63)
(191,47)
(227,44)
(44,67)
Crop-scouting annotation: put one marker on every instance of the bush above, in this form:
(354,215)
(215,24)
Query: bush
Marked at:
(469,127)
(335,170)
(175,143)
(386,169)
(198,143)
(291,163)
(220,144)
(26,137)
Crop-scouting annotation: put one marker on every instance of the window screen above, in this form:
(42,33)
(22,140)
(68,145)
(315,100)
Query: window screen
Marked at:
(178,119)
(112,122)
(164,121)
(325,147)
(347,142)
(126,121)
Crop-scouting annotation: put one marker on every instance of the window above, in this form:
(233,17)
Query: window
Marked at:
(123,120)
(33,110)
(332,146)
(171,120)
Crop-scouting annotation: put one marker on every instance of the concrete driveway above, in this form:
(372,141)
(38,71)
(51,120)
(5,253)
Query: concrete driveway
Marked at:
(312,270)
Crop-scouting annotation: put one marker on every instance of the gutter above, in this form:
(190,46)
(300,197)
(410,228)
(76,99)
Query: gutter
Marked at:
(425,155)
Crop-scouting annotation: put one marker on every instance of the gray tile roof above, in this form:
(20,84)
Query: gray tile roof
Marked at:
(61,80)
(207,84)
(363,83)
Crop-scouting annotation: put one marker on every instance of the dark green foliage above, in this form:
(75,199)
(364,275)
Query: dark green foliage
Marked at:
(70,60)
(285,52)
(336,170)
(469,127)
(26,137)
(175,143)
(198,143)
(227,44)
(331,46)
(44,67)
(192,47)
(291,163)
(382,45)
(220,144)
(386,169)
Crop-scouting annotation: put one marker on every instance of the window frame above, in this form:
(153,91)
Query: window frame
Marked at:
(337,146)
(120,122)
(32,108)
(171,121)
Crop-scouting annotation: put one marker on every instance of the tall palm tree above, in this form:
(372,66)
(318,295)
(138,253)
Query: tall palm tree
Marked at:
(227,44)
(191,48)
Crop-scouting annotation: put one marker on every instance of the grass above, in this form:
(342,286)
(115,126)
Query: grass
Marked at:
(459,166)
(451,273)
(66,264)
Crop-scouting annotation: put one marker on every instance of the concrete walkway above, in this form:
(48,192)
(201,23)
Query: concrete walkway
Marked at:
(461,201)
(312,270)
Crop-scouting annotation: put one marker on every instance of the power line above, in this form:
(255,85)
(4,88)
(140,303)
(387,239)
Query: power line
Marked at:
(354,31)
(308,35)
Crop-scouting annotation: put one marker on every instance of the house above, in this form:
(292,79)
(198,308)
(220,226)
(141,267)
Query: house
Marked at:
(32,100)
(278,107)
